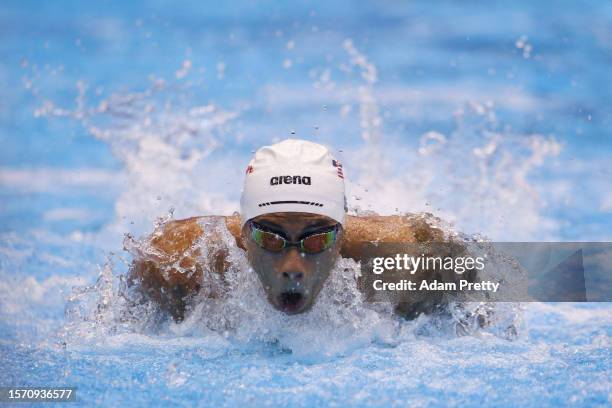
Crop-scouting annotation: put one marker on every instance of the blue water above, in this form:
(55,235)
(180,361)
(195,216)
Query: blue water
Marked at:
(493,116)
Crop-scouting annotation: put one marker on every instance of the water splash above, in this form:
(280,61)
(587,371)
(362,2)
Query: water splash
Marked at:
(340,321)
(477,177)
(166,144)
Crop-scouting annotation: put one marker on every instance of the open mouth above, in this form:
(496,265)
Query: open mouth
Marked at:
(291,301)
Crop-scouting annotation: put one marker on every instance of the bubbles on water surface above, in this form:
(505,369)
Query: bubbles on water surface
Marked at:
(522,44)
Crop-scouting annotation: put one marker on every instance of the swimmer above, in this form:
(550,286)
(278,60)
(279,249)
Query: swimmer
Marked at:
(293,226)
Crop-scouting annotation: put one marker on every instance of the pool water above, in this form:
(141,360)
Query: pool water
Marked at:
(493,116)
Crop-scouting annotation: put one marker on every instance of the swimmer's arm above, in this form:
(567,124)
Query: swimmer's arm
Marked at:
(169,265)
(400,229)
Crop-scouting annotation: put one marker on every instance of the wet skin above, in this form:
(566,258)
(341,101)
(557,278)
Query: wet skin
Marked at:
(169,267)
(292,279)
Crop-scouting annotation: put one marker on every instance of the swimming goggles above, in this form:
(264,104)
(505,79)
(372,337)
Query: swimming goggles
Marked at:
(310,244)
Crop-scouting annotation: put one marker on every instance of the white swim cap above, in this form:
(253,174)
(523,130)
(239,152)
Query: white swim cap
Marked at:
(293,176)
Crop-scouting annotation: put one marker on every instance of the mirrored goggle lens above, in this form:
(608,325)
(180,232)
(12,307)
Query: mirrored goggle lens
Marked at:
(268,240)
(318,242)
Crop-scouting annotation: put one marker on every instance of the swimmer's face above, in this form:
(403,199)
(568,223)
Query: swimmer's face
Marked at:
(291,278)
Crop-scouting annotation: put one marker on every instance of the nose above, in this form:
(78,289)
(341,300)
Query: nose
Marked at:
(291,269)
(293,276)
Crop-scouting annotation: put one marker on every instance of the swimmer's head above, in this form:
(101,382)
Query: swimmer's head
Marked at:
(292,211)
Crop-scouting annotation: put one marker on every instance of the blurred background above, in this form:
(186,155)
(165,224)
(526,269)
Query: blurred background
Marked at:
(494,118)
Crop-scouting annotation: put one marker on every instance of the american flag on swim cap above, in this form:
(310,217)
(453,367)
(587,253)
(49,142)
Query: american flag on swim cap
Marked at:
(338,166)
(249,169)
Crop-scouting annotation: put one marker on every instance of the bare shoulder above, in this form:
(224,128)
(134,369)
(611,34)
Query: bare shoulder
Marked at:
(392,228)
(396,229)
(172,239)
